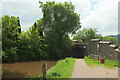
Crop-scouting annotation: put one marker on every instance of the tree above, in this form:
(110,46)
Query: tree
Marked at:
(10,31)
(86,34)
(59,20)
(109,38)
(0,32)
(40,27)
(31,43)
(0,36)
(22,46)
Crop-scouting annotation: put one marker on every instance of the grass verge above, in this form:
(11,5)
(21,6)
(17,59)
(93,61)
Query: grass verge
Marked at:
(63,69)
(94,63)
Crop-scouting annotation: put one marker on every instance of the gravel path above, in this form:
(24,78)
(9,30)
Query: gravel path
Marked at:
(81,70)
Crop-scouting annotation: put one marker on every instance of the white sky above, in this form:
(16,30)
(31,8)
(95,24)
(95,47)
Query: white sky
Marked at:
(100,14)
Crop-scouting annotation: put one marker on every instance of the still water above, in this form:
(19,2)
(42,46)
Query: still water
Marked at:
(25,69)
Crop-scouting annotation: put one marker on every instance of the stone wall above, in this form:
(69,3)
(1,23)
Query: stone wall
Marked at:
(103,49)
(92,46)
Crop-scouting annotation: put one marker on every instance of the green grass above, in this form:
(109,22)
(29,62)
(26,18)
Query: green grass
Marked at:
(63,69)
(94,63)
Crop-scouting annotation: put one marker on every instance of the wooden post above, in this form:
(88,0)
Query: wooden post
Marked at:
(44,72)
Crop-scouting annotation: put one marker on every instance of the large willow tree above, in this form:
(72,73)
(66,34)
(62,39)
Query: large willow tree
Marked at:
(59,20)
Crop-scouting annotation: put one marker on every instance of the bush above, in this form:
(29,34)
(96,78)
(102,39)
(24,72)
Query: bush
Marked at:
(9,55)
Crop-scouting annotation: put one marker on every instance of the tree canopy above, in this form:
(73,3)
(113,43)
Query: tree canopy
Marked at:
(10,31)
(85,35)
(47,38)
(59,20)
(60,17)
(22,46)
(109,38)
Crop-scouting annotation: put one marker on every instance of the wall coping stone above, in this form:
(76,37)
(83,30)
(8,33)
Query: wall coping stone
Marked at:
(117,50)
(106,42)
(113,45)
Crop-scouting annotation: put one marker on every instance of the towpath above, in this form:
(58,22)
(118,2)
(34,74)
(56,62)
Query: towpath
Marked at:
(81,70)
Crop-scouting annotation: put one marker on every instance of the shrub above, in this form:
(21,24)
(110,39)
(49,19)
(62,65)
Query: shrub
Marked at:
(9,55)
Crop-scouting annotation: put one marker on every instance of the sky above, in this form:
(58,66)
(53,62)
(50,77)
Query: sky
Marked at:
(100,14)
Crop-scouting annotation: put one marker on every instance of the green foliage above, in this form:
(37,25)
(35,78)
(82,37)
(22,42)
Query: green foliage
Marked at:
(109,38)
(32,44)
(112,63)
(0,38)
(94,63)
(62,69)
(10,31)
(46,39)
(60,17)
(86,34)
(0,32)
(39,77)
(9,55)
(59,20)
(24,46)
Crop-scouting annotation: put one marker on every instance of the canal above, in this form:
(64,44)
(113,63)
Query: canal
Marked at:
(25,69)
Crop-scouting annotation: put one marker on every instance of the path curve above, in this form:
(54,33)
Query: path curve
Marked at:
(81,70)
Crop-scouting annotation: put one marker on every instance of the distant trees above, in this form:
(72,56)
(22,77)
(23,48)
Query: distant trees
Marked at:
(59,20)
(85,35)
(109,38)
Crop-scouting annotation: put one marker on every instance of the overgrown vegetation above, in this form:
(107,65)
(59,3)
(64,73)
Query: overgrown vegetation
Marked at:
(48,38)
(94,63)
(21,46)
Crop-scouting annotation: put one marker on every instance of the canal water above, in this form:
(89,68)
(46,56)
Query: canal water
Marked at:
(25,69)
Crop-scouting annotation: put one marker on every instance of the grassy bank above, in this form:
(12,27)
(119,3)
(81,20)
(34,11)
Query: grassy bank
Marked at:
(63,69)
(94,63)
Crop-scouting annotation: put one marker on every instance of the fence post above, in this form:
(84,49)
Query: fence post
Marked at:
(44,71)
